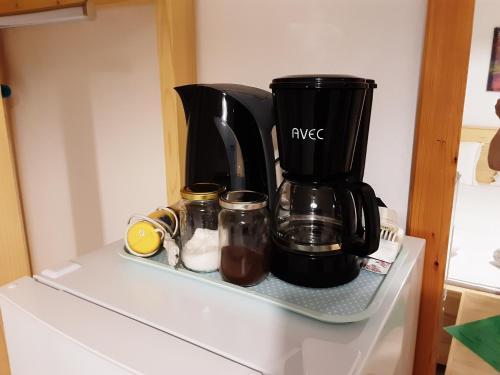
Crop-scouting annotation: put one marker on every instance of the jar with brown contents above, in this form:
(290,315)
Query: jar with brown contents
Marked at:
(244,237)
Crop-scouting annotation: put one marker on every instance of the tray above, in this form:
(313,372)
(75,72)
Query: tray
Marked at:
(351,302)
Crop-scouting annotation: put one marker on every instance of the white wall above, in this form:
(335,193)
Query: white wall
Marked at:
(253,41)
(88,129)
(479,107)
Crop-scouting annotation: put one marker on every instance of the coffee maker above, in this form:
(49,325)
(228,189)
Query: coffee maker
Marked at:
(229,136)
(325,218)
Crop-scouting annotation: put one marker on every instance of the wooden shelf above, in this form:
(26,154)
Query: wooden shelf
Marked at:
(12,7)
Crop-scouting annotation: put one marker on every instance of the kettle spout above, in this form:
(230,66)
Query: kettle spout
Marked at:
(186,93)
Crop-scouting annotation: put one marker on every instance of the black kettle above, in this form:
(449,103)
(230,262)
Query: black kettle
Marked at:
(229,138)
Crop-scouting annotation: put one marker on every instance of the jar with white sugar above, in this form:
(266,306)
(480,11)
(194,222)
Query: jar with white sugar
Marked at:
(199,227)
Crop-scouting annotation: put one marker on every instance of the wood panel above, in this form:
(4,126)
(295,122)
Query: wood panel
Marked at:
(484,174)
(450,312)
(437,134)
(9,7)
(177,59)
(4,358)
(473,306)
(470,133)
(14,258)
(121,2)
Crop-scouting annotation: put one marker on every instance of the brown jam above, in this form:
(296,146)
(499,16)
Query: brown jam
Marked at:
(244,266)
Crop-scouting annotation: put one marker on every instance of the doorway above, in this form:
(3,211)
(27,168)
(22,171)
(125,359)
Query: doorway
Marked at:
(437,139)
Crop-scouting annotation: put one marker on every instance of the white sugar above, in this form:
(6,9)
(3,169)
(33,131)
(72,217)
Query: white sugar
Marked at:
(201,252)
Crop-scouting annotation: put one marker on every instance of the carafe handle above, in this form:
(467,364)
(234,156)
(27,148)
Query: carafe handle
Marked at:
(367,244)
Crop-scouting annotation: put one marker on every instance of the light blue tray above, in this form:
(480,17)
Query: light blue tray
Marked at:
(351,302)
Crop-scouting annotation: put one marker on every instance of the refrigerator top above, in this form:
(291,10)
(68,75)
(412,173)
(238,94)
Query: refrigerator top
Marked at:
(258,335)
(124,343)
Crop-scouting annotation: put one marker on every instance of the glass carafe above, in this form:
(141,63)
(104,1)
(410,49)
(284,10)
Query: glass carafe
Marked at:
(316,218)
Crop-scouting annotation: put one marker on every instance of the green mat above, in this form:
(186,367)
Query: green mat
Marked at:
(482,337)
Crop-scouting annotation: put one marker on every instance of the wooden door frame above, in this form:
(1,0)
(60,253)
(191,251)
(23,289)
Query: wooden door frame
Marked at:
(437,136)
(177,65)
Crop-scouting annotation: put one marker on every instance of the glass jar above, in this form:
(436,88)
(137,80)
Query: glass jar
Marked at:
(244,237)
(198,227)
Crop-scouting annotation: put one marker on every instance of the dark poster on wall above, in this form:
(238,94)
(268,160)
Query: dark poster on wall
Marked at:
(494,73)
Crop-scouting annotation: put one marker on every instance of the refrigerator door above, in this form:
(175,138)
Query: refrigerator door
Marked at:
(258,335)
(52,332)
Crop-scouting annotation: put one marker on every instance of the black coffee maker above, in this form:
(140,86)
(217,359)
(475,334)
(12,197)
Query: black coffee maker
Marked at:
(325,218)
(229,136)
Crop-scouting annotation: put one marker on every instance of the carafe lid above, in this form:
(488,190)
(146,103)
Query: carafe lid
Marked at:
(322,81)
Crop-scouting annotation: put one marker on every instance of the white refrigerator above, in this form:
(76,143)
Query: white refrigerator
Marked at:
(103,314)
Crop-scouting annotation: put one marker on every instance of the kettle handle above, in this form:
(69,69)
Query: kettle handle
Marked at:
(367,244)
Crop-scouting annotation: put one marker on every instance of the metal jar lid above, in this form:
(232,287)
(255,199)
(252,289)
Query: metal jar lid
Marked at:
(243,200)
(202,191)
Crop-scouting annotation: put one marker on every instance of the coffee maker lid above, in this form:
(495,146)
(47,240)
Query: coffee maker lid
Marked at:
(322,81)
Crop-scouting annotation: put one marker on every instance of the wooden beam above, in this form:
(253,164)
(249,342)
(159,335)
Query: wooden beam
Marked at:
(177,60)
(11,7)
(14,257)
(121,2)
(439,120)
(4,358)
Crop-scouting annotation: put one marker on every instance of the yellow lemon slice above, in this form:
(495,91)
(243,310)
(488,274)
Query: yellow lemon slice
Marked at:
(143,238)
